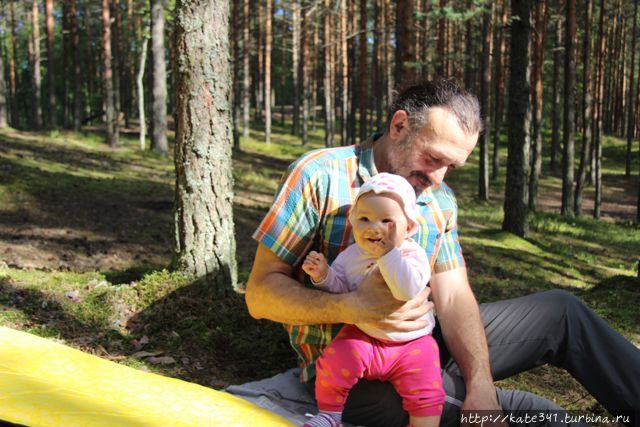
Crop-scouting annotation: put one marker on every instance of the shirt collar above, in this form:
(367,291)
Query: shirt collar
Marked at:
(367,167)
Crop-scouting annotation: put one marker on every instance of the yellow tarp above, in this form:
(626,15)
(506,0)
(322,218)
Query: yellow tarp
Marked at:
(43,383)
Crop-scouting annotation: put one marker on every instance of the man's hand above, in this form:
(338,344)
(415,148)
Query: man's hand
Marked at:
(316,266)
(374,304)
(482,399)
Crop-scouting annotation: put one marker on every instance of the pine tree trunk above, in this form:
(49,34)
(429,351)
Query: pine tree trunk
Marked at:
(205,243)
(159,91)
(631,125)
(363,68)
(344,72)
(587,111)
(425,53)
(556,106)
(599,92)
(377,62)
(91,66)
(75,56)
(66,51)
(470,51)
(405,45)
(519,113)
(314,73)
(235,32)
(258,80)
(117,63)
(246,71)
(12,66)
(328,65)
(132,43)
(111,122)
(304,75)
(568,139)
(501,51)
(50,65)
(441,36)
(140,84)
(537,95)
(295,60)
(267,71)
(37,79)
(4,96)
(485,89)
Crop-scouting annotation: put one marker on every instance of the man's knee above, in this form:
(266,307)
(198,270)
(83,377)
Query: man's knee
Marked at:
(562,302)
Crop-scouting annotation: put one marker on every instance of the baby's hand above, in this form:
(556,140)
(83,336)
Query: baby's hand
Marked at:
(316,266)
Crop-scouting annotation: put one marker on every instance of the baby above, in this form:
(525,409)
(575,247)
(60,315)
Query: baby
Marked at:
(382,218)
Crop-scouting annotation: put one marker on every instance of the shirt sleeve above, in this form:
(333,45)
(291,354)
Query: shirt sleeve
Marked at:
(336,280)
(449,256)
(405,270)
(289,227)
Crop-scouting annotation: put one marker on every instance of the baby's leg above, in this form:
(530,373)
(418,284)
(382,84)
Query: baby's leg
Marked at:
(341,365)
(417,379)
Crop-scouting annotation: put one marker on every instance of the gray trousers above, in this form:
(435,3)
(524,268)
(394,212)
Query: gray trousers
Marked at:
(550,327)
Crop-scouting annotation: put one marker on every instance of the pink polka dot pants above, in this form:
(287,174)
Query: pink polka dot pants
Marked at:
(413,368)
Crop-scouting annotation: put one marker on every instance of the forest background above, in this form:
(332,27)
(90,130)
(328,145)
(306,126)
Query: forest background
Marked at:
(129,246)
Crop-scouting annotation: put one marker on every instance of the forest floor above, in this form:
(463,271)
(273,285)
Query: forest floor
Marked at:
(86,237)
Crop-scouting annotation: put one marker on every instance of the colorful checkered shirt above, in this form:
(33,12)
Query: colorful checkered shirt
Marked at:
(310,212)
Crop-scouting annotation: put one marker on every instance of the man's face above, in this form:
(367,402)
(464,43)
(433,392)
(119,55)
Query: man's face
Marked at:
(424,156)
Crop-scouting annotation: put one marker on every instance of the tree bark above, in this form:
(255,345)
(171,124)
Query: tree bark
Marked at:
(555,106)
(111,121)
(75,56)
(205,243)
(405,48)
(568,195)
(501,51)
(295,60)
(344,72)
(441,36)
(470,80)
(246,74)
(140,84)
(36,77)
(12,66)
(631,124)
(362,68)
(50,64)
(537,101)
(485,89)
(4,96)
(267,71)
(587,111)
(328,65)
(303,73)
(519,138)
(117,57)
(159,91)
(597,134)
(258,80)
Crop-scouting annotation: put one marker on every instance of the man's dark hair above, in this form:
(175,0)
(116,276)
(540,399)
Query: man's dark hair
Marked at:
(416,100)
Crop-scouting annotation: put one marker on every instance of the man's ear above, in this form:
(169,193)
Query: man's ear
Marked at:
(399,125)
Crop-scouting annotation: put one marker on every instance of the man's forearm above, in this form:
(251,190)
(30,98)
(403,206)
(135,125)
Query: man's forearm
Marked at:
(463,331)
(273,294)
(282,299)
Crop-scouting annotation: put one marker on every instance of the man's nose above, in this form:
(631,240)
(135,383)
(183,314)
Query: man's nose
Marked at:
(436,177)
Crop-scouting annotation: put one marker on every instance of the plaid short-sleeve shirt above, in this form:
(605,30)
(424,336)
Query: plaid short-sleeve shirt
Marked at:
(310,212)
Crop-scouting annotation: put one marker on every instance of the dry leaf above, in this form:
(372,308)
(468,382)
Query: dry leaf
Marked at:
(163,360)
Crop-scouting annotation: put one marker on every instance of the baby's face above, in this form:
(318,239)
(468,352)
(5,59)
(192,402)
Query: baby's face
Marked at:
(376,220)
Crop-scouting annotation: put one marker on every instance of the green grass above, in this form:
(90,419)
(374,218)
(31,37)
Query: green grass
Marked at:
(96,224)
